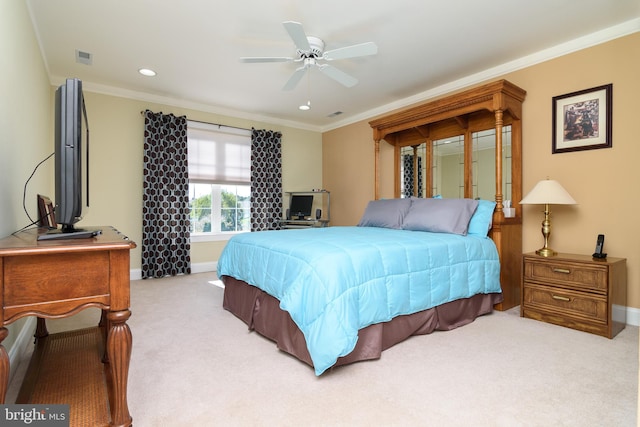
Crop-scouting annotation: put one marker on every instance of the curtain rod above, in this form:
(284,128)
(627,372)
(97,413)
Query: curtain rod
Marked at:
(219,125)
(213,124)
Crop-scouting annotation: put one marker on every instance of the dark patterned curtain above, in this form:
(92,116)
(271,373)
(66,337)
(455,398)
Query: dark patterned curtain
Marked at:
(266,180)
(165,198)
(409,185)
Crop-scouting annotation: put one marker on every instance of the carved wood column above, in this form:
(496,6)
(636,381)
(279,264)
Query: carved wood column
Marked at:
(416,172)
(376,163)
(119,343)
(429,168)
(498,114)
(468,170)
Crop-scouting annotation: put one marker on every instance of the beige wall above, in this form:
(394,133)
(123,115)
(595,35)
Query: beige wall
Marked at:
(25,125)
(116,164)
(26,118)
(602,181)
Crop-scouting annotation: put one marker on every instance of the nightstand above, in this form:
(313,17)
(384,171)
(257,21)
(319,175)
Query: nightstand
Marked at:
(576,291)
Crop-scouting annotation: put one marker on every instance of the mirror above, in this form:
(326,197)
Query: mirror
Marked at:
(413,172)
(484,164)
(447,169)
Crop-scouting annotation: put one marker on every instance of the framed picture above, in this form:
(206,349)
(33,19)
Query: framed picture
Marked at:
(46,215)
(582,120)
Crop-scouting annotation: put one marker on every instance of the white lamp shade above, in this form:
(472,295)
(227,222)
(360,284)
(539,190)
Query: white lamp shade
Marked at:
(548,191)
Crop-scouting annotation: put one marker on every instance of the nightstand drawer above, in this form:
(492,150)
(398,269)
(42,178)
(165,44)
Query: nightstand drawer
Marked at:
(578,276)
(564,301)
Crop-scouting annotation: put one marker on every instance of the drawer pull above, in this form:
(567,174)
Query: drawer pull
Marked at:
(562,270)
(560,298)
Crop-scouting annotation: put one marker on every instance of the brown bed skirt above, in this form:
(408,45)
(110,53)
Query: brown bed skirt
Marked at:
(261,312)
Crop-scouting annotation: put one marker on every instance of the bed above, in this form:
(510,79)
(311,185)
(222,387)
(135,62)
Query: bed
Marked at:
(335,295)
(374,285)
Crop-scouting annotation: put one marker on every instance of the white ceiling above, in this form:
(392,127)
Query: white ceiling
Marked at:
(425,48)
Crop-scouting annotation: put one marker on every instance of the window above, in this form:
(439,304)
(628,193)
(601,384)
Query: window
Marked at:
(219,179)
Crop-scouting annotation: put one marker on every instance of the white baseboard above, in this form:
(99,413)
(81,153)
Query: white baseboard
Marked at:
(19,347)
(204,267)
(201,267)
(135,274)
(633,316)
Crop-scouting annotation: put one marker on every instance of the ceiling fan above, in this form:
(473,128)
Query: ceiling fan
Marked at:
(310,52)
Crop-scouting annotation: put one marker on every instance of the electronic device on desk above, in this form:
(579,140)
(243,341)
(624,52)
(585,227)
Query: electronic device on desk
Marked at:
(600,247)
(71,162)
(300,206)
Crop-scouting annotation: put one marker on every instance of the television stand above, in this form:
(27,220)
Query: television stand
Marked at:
(56,279)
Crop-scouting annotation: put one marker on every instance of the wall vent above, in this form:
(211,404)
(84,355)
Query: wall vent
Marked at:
(84,57)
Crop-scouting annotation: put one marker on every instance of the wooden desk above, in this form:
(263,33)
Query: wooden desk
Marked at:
(58,278)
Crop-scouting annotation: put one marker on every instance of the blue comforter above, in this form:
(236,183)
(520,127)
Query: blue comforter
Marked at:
(334,281)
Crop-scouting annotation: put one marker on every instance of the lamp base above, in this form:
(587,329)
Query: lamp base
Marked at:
(546,252)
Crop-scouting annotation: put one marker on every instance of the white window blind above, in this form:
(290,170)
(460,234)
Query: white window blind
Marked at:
(218,155)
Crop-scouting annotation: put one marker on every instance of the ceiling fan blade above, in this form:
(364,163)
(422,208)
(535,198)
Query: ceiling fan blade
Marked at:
(295,78)
(363,49)
(339,76)
(297,34)
(266,59)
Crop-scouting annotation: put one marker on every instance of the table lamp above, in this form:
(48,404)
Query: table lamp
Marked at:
(547,192)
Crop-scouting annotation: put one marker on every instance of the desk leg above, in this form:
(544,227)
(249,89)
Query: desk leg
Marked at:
(4,366)
(41,329)
(119,354)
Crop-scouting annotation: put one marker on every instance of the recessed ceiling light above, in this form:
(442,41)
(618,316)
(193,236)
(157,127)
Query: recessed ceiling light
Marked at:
(305,107)
(147,72)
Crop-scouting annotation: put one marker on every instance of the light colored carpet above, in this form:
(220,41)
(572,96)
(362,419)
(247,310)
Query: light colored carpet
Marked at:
(194,364)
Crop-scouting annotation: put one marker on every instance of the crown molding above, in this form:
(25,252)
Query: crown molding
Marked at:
(590,40)
(593,39)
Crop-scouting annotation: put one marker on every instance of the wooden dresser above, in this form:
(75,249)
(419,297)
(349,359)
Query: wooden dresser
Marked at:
(576,291)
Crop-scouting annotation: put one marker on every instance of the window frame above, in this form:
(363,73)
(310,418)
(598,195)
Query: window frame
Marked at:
(211,236)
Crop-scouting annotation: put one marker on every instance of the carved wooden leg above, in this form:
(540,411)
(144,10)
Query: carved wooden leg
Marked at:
(104,330)
(103,319)
(41,329)
(119,343)
(4,366)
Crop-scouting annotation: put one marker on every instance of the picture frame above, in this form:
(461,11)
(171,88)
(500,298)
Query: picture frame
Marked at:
(582,120)
(46,214)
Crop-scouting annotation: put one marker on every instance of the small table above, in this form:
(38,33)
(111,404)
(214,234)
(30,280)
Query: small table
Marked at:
(576,291)
(59,278)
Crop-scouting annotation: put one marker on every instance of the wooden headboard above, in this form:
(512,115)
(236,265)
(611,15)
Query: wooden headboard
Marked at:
(492,105)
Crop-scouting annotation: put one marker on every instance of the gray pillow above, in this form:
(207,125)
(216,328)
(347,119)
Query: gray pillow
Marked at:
(387,213)
(440,215)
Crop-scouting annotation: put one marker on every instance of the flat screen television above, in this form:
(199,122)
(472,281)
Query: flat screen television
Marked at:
(71,162)
(300,206)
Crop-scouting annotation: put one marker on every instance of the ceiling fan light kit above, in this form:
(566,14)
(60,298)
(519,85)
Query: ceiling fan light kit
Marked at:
(310,50)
